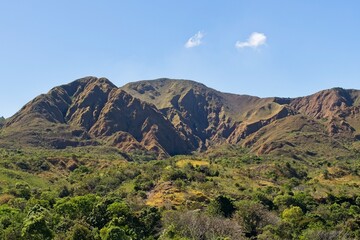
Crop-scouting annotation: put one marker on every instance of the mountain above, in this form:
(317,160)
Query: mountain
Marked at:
(92,111)
(170,117)
(205,116)
(295,127)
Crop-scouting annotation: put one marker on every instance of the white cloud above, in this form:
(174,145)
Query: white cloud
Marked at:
(255,40)
(195,40)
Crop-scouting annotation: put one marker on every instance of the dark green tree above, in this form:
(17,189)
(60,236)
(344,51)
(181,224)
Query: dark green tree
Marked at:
(114,233)
(23,190)
(221,206)
(81,232)
(36,224)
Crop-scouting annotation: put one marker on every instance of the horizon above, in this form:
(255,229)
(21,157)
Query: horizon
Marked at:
(260,48)
(6,117)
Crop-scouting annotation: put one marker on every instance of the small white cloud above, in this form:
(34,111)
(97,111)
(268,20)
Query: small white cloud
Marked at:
(255,40)
(195,40)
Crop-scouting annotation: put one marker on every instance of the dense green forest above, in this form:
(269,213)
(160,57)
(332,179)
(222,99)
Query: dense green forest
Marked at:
(226,193)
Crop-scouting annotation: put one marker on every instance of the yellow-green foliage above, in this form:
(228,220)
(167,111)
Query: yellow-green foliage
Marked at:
(94,192)
(184,162)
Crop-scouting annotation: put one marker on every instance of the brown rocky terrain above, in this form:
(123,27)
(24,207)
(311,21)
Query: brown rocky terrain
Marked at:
(92,111)
(172,117)
(203,115)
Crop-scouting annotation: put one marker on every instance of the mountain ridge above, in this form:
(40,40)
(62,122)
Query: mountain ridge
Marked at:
(171,117)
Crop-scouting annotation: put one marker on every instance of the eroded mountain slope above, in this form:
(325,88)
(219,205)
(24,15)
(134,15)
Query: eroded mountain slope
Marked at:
(172,117)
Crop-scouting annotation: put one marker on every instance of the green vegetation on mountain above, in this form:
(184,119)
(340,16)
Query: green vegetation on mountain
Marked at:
(226,193)
(174,159)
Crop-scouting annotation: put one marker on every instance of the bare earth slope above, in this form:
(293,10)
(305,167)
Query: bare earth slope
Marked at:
(171,117)
(205,116)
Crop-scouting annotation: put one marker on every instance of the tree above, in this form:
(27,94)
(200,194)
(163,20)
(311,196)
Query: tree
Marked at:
(36,224)
(118,209)
(114,233)
(64,192)
(99,215)
(81,232)
(76,207)
(320,234)
(283,201)
(10,222)
(253,217)
(292,223)
(292,215)
(150,220)
(198,225)
(68,209)
(23,190)
(221,206)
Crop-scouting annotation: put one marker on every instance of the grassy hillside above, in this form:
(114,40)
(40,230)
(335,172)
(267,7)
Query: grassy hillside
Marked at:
(167,93)
(224,193)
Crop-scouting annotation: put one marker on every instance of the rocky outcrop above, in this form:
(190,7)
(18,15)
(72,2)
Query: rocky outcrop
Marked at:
(324,104)
(147,125)
(88,102)
(245,129)
(333,107)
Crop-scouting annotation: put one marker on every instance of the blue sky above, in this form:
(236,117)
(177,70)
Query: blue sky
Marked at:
(301,46)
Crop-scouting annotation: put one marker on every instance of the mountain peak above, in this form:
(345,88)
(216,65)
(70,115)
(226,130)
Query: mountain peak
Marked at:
(170,80)
(81,83)
(163,84)
(327,103)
